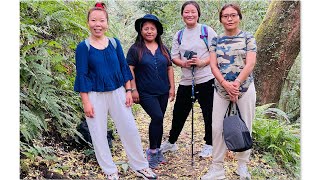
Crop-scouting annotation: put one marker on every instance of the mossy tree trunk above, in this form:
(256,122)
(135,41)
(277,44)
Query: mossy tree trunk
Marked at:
(278,41)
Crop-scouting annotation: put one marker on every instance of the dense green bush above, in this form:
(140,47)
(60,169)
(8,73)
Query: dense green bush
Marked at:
(278,137)
(290,95)
(49,32)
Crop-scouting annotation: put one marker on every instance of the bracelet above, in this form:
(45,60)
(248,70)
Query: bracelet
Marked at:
(238,80)
(129,90)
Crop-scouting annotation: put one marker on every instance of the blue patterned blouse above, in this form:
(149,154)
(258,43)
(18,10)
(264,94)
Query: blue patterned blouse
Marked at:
(100,70)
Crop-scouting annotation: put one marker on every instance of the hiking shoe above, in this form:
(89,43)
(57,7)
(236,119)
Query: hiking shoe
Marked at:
(242,171)
(167,146)
(152,159)
(206,151)
(161,158)
(113,176)
(215,172)
(146,173)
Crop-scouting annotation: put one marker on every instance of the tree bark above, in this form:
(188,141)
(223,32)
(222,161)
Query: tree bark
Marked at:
(278,41)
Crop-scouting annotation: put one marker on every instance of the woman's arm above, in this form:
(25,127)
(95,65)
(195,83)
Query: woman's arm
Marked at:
(247,70)
(135,93)
(175,53)
(231,90)
(128,94)
(172,85)
(179,62)
(124,67)
(87,106)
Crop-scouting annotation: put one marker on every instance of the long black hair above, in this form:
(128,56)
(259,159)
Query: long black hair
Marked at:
(140,45)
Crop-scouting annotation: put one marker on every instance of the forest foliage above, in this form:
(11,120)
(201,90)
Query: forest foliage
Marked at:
(50,32)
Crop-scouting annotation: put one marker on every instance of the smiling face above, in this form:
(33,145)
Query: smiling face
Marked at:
(230,19)
(190,15)
(149,31)
(98,23)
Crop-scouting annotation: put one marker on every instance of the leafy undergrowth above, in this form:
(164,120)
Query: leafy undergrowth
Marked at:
(70,161)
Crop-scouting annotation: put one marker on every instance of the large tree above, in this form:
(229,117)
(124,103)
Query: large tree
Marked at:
(278,41)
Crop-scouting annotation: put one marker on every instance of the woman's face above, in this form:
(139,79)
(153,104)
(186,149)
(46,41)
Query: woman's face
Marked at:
(149,31)
(230,19)
(98,23)
(190,15)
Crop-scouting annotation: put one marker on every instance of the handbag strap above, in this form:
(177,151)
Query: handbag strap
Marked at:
(233,107)
(229,109)
(237,111)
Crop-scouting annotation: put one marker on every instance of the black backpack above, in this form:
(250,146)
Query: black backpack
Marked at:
(84,130)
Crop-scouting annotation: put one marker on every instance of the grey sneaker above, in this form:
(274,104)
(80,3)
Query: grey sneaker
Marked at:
(161,158)
(146,173)
(167,146)
(152,159)
(243,172)
(215,172)
(206,151)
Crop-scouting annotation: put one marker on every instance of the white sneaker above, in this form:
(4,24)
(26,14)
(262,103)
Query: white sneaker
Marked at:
(215,172)
(206,151)
(113,176)
(146,174)
(167,146)
(242,171)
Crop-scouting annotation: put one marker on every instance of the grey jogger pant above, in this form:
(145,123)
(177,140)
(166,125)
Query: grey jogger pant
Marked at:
(113,102)
(246,106)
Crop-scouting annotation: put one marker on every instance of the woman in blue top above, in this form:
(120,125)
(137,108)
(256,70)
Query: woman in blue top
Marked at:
(153,82)
(103,80)
(232,59)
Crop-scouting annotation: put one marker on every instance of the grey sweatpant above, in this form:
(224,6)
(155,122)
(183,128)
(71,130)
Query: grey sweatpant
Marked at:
(113,102)
(246,106)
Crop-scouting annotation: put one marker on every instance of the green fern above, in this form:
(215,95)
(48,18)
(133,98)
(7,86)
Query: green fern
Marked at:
(277,137)
(45,92)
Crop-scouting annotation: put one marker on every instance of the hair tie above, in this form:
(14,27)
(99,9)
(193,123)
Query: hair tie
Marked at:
(99,5)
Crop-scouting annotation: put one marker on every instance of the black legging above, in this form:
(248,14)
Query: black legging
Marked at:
(155,107)
(183,105)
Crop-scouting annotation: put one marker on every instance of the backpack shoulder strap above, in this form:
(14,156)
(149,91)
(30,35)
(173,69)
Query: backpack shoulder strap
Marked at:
(113,42)
(87,43)
(204,33)
(180,33)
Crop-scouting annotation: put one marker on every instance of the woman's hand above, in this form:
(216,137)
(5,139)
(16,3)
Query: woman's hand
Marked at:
(195,61)
(88,109)
(135,96)
(187,63)
(231,90)
(171,94)
(129,100)
(236,84)
(234,98)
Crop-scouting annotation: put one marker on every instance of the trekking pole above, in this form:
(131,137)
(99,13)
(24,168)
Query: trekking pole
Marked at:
(193,99)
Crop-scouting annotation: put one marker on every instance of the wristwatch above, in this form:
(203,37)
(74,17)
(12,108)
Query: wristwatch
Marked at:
(131,89)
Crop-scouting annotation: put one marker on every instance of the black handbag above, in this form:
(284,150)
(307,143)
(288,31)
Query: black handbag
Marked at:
(235,132)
